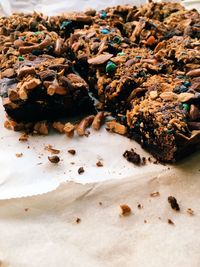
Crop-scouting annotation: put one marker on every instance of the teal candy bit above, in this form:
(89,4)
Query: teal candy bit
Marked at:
(121,54)
(186,107)
(103,14)
(187,83)
(65,23)
(138,57)
(20,58)
(110,67)
(170,131)
(23,38)
(117,40)
(37,33)
(104,31)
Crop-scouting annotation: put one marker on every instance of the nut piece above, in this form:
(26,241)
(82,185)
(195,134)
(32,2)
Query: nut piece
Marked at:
(153,95)
(125,210)
(41,127)
(54,159)
(98,60)
(193,73)
(69,129)
(173,202)
(98,120)
(155,194)
(115,127)
(170,96)
(184,97)
(81,128)
(25,71)
(58,126)
(19,155)
(52,150)
(190,211)
(194,113)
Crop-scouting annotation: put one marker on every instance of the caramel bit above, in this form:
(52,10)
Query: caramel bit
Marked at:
(72,151)
(78,220)
(52,150)
(173,202)
(99,164)
(190,211)
(54,159)
(58,126)
(19,155)
(155,194)
(81,128)
(98,120)
(8,125)
(125,210)
(115,127)
(23,138)
(81,170)
(69,129)
(41,128)
(170,222)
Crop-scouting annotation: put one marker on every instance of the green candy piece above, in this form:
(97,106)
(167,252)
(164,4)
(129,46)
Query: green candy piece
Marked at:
(121,54)
(110,67)
(186,107)
(20,58)
(117,40)
(37,33)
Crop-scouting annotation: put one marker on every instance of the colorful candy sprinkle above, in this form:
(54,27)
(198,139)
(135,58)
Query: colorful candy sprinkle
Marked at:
(104,31)
(110,67)
(117,40)
(186,107)
(20,58)
(121,54)
(65,24)
(103,14)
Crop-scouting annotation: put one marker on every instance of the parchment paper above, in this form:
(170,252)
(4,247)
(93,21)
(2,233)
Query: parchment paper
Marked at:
(41,230)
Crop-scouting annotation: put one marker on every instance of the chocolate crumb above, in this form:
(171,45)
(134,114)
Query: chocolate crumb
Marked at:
(173,202)
(145,221)
(72,151)
(125,210)
(134,158)
(78,220)
(23,138)
(139,206)
(100,203)
(170,221)
(26,209)
(54,159)
(19,155)
(99,164)
(80,170)
(190,211)
(155,194)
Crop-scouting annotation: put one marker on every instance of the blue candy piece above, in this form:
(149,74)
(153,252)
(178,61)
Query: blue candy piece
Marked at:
(104,31)
(187,83)
(65,23)
(103,14)
(183,88)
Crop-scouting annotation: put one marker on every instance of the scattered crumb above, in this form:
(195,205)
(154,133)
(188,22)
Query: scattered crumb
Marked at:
(125,210)
(133,157)
(145,221)
(159,218)
(78,220)
(140,206)
(190,211)
(8,125)
(155,194)
(52,150)
(80,170)
(23,137)
(99,164)
(39,163)
(173,202)
(155,162)
(72,151)
(19,155)
(54,159)
(72,163)
(170,221)
(28,147)
(100,203)
(26,209)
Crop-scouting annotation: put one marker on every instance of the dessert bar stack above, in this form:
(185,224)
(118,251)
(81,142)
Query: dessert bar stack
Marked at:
(141,63)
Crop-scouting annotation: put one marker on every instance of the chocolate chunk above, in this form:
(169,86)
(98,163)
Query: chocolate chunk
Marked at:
(54,159)
(173,202)
(72,151)
(133,157)
(81,170)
